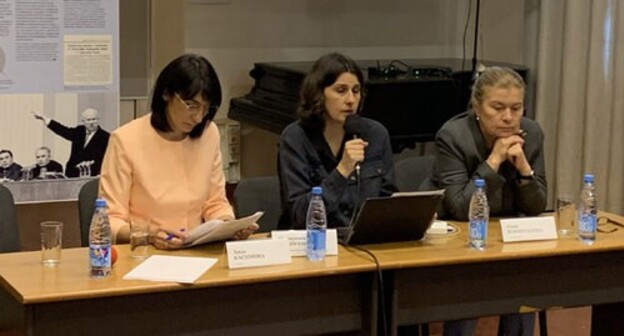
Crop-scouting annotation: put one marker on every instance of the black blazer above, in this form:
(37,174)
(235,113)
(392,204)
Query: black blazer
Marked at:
(461,153)
(94,151)
(305,160)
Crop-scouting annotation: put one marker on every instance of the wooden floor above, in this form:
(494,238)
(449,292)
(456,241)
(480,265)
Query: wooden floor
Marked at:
(562,322)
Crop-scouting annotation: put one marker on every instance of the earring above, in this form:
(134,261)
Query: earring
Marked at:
(477,116)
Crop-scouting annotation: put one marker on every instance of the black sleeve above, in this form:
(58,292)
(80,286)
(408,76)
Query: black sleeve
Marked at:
(453,175)
(295,171)
(69,133)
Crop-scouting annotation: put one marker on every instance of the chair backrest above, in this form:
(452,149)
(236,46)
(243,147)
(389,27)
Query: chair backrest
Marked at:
(259,194)
(9,238)
(86,206)
(410,173)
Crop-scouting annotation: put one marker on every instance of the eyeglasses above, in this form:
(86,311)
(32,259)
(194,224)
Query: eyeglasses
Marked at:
(195,108)
(603,220)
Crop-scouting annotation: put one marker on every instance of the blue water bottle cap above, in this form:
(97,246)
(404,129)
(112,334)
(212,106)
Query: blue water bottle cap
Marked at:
(317,191)
(479,183)
(100,203)
(588,178)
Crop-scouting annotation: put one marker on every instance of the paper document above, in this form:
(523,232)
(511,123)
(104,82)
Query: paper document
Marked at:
(216,229)
(418,193)
(171,268)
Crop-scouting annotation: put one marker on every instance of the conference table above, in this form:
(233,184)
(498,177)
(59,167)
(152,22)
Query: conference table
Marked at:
(442,279)
(301,297)
(434,279)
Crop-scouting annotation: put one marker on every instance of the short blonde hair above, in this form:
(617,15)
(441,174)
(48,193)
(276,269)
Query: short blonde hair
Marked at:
(499,77)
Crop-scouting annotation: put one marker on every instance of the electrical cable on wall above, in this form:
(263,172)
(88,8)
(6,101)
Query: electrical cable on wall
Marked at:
(465,33)
(476,40)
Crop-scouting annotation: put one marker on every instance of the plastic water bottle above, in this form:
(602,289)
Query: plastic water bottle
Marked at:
(316,225)
(587,211)
(478,217)
(100,238)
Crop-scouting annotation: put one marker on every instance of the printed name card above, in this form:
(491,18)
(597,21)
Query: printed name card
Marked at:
(297,240)
(528,228)
(253,253)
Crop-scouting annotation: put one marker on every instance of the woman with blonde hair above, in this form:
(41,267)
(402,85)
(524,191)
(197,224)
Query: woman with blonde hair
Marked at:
(493,141)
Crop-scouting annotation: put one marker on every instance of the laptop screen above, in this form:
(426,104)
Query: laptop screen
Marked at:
(400,217)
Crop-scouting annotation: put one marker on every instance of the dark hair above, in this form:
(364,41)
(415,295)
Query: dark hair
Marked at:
(6,151)
(186,76)
(47,149)
(324,73)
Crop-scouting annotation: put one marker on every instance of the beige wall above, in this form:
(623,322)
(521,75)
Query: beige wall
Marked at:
(234,34)
(134,46)
(167,32)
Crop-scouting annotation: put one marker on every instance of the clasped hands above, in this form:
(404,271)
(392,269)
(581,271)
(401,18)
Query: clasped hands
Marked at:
(165,239)
(509,149)
(352,154)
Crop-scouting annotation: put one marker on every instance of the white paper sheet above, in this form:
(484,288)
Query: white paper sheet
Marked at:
(216,230)
(171,268)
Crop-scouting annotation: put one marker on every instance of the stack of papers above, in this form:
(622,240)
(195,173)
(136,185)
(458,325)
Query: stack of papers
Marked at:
(170,268)
(216,229)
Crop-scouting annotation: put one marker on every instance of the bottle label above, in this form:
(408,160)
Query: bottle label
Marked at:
(100,255)
(587,223)
(478,229)
(316,240)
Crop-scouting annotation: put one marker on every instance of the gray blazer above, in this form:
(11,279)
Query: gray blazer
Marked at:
(460,158)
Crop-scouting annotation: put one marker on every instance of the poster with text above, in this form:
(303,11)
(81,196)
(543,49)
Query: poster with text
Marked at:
(59,87)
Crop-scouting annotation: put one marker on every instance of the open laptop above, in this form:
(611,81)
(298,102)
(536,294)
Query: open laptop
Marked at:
(400,217)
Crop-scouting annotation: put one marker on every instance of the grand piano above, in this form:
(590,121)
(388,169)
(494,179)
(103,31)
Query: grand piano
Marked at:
(411,98)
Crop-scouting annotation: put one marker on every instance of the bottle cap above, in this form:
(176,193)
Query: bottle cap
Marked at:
(317,191)
(479,183)
(100,203)
(588,178)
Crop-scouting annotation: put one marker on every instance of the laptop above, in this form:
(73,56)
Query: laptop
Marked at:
(396,218)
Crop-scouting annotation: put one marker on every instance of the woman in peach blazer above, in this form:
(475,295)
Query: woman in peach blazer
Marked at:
(166,166)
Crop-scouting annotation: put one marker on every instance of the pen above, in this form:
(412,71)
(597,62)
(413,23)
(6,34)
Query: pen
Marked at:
(171,235)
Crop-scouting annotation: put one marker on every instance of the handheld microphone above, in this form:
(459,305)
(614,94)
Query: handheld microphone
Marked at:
(353,124)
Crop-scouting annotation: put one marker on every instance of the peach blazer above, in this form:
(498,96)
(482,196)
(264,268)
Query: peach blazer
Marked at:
(176,184)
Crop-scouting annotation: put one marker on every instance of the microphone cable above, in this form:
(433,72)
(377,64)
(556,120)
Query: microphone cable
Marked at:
(379,272)
(356,207)
(380,286)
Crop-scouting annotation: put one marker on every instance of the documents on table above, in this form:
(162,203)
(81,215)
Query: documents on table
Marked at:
(171,268)
(216,229)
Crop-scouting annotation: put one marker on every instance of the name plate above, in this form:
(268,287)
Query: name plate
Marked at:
(297,241)
(253,253)
(528,229)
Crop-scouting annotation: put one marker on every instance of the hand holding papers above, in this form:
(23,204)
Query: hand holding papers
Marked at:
(216,229)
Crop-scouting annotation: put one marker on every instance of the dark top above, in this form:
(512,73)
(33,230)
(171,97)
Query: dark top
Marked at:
(51,167)
(94,150)
(305,160)
(460,159)
(13,172)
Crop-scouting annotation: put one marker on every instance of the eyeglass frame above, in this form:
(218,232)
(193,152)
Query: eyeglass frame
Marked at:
(208,110)
(604,220)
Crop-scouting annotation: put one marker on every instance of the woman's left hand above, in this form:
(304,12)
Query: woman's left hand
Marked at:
(515,155)
(245,233)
